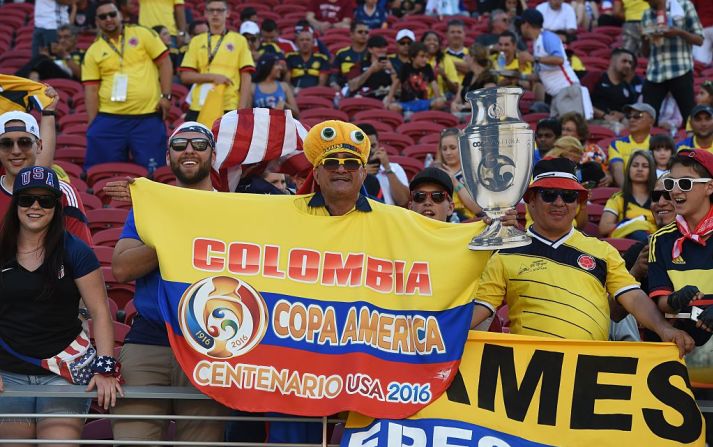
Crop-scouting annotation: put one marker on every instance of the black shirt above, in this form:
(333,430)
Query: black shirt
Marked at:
(38,326)
(415,82)
(608,96)
(471,83)
(376,86)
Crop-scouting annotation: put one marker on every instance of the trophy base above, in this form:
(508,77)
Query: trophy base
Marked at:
(496,237)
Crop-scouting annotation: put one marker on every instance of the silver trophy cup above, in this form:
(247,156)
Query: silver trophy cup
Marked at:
(496,156)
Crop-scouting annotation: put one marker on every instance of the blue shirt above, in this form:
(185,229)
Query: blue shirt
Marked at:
(149,327)
(373,21)
(269,100)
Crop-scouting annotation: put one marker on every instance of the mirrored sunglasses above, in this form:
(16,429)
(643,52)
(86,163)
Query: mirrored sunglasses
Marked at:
(24,143)
(350,164)
(436,196)
(198,144)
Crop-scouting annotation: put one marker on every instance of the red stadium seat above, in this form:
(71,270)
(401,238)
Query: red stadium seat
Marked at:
(418,129)
(91,202)
(68,86)
(351,106)
(106,218)
(117,169)
(419,151)
(591,229)
(620,244)
(445,119)
(75,129)
(526,101)
(613,31)
(410,165)
(601,195)
(378,125)
(323,92)
(433,139)
(591,78)
(586,46)
(597,133)
(70,168)
(72,154)
(77,118)
(288,8)
(534,118)
(396,140)
(307,102)
(323,114)
(394,119)
(75,140)
(120,331)
(79,184)
(130,312)
(594,211)
(107,238)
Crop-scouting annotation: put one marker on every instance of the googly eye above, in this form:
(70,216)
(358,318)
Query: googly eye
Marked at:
(328,134)
(357,136)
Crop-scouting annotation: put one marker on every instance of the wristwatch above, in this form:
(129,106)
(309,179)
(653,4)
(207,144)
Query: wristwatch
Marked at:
(166,96)
(49,113)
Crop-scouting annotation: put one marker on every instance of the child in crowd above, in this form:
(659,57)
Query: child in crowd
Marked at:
(413,81)
(662,148)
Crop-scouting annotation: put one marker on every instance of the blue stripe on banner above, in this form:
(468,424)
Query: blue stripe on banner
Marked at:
(399,335)
(430,433)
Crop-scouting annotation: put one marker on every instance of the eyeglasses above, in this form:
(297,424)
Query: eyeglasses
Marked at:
(550,195)
(107,15)
(656,196)
(215,10)
(350,164)
(198,144)
(635,115)
(24,143)
(436,196)
(684,184)
(45,201)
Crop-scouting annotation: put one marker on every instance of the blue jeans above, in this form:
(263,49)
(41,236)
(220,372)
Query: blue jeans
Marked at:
(48,405)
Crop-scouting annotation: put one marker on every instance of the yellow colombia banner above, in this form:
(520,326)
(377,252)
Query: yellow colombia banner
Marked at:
(534,392)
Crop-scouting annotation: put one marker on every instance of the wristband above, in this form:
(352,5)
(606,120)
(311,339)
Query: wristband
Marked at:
(107,365)
(49,113)
(458,188)
(388,172)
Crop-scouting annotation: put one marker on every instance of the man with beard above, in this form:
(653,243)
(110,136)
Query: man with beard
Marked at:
(146,357)
(613,91)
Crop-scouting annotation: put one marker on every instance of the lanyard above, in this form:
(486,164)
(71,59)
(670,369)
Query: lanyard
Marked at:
(120,53)
(212,53)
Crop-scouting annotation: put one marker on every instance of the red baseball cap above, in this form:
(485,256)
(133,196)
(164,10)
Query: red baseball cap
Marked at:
(701,156)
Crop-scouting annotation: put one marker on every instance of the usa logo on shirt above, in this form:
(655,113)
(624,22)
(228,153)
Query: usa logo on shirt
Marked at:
(586,262)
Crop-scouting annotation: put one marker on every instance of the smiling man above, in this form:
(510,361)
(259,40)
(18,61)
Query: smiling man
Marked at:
(432,194)
(529,278)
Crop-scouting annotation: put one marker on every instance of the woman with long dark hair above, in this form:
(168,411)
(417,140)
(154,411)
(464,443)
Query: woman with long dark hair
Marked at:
(45,271)
(268,89)
(443,67)
(480,75)
(627,214)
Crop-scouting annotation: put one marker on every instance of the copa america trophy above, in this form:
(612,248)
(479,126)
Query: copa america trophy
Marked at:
(496,156)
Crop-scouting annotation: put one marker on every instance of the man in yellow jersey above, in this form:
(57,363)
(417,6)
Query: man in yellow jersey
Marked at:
(513,72)
(218,61)
(456,50)
(641,118)
(127,84)
(702,126)
(169,13)
(559,285)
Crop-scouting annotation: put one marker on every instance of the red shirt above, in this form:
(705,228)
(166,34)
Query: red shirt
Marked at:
(705,12)
(75,219)
(332,12)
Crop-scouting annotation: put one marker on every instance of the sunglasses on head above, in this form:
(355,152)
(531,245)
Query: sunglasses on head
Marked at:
(436,196)
(24,143)
(550,195)
(106,15)
(45,201)
(350,164)
(656,196)
(198,144)
(684,184)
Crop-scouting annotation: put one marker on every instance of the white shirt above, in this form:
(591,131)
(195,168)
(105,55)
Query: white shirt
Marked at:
(553,77)
(50,15)
(562,19)
(384,181)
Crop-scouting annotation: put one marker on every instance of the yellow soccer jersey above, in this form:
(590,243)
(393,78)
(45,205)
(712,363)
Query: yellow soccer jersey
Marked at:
(514,65)
(159,12)
(634,9)
(451,74)
(622,148)
(454,59)
(635,218)
(21,94)
(556,288)
(142,48)
(231,58)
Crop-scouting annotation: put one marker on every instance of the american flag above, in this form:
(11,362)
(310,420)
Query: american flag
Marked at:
(250,136)
(74,363)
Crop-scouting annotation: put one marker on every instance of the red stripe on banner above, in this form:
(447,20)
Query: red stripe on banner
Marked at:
(276,135)
(243,138)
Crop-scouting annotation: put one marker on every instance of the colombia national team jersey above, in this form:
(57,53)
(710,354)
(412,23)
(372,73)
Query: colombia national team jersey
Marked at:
(692,268)
(305,73)
(556,288)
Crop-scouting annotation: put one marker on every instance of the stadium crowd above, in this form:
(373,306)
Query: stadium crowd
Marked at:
(619,96)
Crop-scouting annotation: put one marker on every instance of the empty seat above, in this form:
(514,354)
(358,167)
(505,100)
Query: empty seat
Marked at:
(115,169)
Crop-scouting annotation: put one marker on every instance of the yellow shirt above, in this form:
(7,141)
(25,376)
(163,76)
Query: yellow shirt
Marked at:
(451,74)
(622,148)
(633,219)
(576,63)
(634,9)
(455,59)
(159,12)
(514,65)
(21,94)
(530,280)
(142,48)
(230,59)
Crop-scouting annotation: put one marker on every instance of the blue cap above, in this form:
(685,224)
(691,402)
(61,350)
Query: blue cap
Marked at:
(37,177)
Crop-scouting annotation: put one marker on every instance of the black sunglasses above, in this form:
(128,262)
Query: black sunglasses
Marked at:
(198,144)
(635,115)
(436,196)
(24,143)
(550,195)
(45,201)
(106,15)
(656,196)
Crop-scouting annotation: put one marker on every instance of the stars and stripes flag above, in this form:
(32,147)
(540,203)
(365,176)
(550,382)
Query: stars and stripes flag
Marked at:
(250,136)
(74,362)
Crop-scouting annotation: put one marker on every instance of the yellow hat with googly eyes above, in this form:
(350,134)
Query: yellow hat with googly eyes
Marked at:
(332,137)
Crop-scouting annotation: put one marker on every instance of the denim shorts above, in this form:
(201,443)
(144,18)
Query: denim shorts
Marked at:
(49,405)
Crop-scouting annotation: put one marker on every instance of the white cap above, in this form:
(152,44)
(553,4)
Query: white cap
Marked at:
(406,33)
(28,120)
(249,27)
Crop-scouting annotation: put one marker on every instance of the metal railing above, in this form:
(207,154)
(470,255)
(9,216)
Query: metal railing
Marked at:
(147,392)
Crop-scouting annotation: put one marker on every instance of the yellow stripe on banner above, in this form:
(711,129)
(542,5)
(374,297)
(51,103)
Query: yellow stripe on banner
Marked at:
(391,257)
(694,277)
(570,393)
